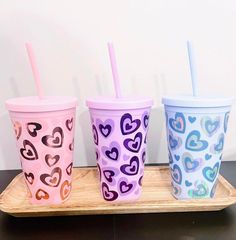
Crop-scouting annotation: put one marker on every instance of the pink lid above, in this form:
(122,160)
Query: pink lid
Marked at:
(34,104)
(119,103)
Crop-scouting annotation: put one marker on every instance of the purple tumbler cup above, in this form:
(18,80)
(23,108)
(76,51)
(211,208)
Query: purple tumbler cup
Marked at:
(119,129)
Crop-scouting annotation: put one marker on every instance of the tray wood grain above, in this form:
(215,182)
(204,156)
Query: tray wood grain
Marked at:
(86,198)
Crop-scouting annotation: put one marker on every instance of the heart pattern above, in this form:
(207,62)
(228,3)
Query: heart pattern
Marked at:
(213,190)
(194,143)
(125,187)
(140,181)
(51,160)
(174,142)
(46,158)
(53,179)
(131,168)
(33,127)
(145,120)
(211,173)
(28,151)
(110,175)
(190,164)
(65,190)
(195,156)
(71,145)
(108,194)
(134,145)
(178,123)
(177,157)
(210,126)
(200,190)
(112,152)
(192,119)
(69,169)
(121,152)
(97,153)
(95,134)
(29,177)
(99,172)
(187,183)
(18,129)
(170,156)
(143,155)
(55,140)
(69,124)
(128,125)
(176,189)
(226,120)
(106,128)
(41,194)
(218,147)
(176,174)
(208,156)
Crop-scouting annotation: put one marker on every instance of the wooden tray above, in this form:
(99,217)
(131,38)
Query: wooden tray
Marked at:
(86,199)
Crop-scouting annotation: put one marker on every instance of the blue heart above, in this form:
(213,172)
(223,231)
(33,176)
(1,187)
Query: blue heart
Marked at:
(177,157)
(178,123)
(174,142)
(170,156)
(176,174)
(219,146)
(211,173)
(187,183)
(176,190)
(226,119)
(210,126)
(190,164)
(200,191)
(213,190)
(191,119)
(194,143)
(208,156)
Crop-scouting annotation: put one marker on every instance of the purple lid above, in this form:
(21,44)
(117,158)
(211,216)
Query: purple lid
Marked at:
(113,103)
(34,104)
(191,101)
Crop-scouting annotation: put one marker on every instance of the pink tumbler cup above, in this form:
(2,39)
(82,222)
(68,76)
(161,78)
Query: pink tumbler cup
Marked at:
(119,129)
(44,130)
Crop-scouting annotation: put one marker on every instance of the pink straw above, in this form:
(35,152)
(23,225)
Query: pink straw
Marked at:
(115,74)
(34,69)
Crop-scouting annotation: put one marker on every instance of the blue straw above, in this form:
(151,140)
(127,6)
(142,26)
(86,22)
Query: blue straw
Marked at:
(192,67)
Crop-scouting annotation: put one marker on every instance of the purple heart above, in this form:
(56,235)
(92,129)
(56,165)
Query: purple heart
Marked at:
(145,139)
(140,181)
(125,187)
(143,155)
(127,125)
(145,121)
(110,174)
(105,127)
(105,130)
(131,168)
(99,171)
(97,154)
(134,145)
(109,195)
(95,135)
(112,152)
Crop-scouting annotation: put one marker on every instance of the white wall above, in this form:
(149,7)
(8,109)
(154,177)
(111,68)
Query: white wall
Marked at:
(69,38)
